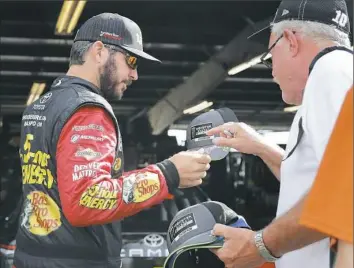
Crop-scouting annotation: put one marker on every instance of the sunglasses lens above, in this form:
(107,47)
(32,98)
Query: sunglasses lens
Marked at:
(132,62)
(267,60)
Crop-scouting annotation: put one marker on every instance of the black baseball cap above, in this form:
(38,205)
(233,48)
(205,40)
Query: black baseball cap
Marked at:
(189,236)
(329,12)
(196,132)
(114,29)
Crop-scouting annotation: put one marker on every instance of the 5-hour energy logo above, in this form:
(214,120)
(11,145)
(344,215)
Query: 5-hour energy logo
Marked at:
(35,165)
(99,197)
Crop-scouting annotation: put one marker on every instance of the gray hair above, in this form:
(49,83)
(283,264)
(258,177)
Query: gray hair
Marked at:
(78,51)
(319,32)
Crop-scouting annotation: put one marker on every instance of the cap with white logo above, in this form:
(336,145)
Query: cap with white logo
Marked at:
(114,29)
(189,235)
(197,138)
(329,12)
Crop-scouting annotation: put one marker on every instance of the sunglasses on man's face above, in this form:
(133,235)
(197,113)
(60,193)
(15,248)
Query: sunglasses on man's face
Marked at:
(266,58)
(131,61)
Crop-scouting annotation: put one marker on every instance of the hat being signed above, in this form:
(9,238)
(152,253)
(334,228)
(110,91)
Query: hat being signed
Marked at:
(189,235)
(329,12)
(114,29)
(196,132)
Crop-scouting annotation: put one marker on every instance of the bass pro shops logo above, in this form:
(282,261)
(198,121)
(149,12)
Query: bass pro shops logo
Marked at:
(138,188)
(41,214)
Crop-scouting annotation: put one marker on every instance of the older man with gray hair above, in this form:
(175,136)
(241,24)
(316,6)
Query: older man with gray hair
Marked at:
(313,64)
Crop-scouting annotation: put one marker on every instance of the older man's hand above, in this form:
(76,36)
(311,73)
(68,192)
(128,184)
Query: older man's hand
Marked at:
(239,136)
(239,250)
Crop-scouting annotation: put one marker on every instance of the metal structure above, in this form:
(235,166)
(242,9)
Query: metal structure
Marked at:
(196,41)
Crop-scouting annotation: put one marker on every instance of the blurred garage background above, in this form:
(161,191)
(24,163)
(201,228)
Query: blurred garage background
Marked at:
(207,63)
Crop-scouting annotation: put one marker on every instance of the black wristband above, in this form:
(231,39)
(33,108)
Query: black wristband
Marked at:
(171,175)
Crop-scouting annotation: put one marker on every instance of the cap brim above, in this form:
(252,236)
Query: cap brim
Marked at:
(181,259)
(205,121)
(205,240)
(140,53)
(215,152)
(261,36)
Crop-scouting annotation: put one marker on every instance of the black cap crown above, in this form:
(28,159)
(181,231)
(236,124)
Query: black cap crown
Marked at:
(330,12)
(114,29)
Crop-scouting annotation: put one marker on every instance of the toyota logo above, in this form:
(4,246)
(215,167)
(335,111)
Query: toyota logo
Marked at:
(153,240)
(45,98)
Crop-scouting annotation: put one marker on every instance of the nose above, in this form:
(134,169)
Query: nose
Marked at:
(133,74)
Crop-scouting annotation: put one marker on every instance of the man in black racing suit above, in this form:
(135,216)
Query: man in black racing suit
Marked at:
(75,189)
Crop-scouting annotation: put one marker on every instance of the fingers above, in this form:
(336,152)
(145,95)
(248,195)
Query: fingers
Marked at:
(191,183)
(219,230)
(220,253)
(230,126)
(201,164)
(225,142)
(203,158)
(214,250)
(197,175)
(217,252)
(200,156)
(223,135)
(194,179)
(215,130)
(202,168)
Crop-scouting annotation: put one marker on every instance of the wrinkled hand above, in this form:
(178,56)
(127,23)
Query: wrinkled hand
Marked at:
(239,249)
(239,136)
(192,167)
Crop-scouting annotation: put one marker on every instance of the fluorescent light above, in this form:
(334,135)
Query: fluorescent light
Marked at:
(291,109)
(69,16)
(36,90)
(64,16)
(197,108)
(75,18)
(243,66)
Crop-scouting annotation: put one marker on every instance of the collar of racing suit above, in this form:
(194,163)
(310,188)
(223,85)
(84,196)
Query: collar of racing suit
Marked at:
(66,80)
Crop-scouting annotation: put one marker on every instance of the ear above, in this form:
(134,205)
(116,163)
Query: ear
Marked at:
(99,51)
(292,41)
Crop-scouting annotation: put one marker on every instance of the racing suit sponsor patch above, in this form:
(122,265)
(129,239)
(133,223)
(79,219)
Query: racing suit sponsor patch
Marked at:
(40,107)
(140,187)
(41,214)
(88,127)
(87,153)
(76,137)
(85,171)
(99,197)
(117,164)
(34,166)
(33,120)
